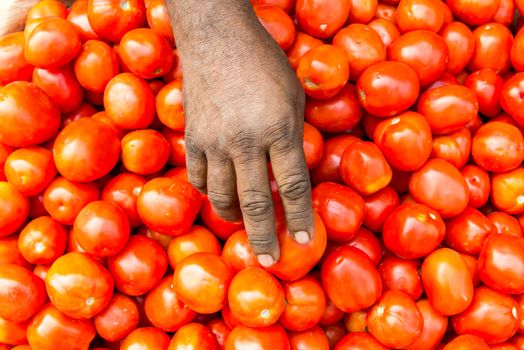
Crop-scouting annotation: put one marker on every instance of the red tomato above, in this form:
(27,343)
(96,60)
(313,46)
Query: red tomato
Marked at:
(13,65)
(466,232)
(42,241)
(311,339)
(454,147)
(511,98)
(278,24)
(237,252)
(83,111)
(362,11)
(313,145)
(400,274)
(368,243)
(123,190)
(506,13)
(303,43)
(177,145)
(13,332)
(491,315)
(137,279)
(52,44)
(493,43)
(256,298)
(388,88)
(507,191)
(221,331)
(96,56)
(517,58)
(78,17)
(461,45)
(478,183)
(5,151)
(413,230)
(378,206)
(286,5)
(112,19)
(344,268)
(146,338)
(405,140)
(51,329)
(487,85)
(356,321)
(387,30)
(118,319)
(386,11)
(136,151)
(322,18)
(158,19)
(467,341)
(323,71)
(433,330)
(328,168)
(340,208)
(221,228)
(359,341)
(10,253)
(61,85)
(305,304)
(419,14)
(363,46)
(331,316)
(272,337)
(395,320)
(193,336)
(15,209)
(168,205)
(46,9)
(474,13)
(197,240)
(447,281)
(505,224)
(169,105)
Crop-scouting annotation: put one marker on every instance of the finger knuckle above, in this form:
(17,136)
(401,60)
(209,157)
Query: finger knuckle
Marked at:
(257,205)
(262,242)
(295,186)
(222,202)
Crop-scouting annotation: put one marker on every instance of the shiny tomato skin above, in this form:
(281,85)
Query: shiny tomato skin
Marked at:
(78,17)
(478,183)
(405,140)
(434,327)
(387,30)
(96,56)
(221,331)
(237,252)
(13,333)
(168,205)
(378,206)
(46,9)
(466,232)
(505,223)
(272,337)
(137,279)
(461,45)
(501,263)
(487,85)
(5,151)
(388,88)
(112,19)
(419,15)
(493,43)
(136,151)
(493,316)
(328,168)
(362,12)
(277,23)
(158,19)
(169,105)
(177,147)
(145,338)
(310,339)
(340,208)
(401,274)
(466,341)
(324,71)
(511,97)
(507,189)
(474,13)
(332,315)
(42,240)
(517,58)
(118,319)
(368,243)
(61,85)
(52,44)
(313,145)
(452,195)
(395,320)
(303,43)
(359,341)
(13,64)
(86,150)
(51,328)
(123,190)
(197,240)
(352,266)
(363,46)
(193,336)
(10,253)
(447,281)
(15,209)
(221,228)
(454,147)
(28,116)
(322,19)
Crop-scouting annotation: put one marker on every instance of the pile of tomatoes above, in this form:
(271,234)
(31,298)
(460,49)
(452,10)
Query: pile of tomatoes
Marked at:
(414,140)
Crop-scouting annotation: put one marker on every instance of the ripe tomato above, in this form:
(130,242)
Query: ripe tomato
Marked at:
(137,279)
(96,56)
(366,242)
(491,315)
(400,274)
(169,105)
(322,19)
(493,43)
(517,59)
(146,338)
(362,11)
(197,240)
(363,46)
(311,339)
(466,232)
(505,224)
(478,183)
(356,321)
(359,341)
(136,151)
(22,293)
(46,9)
(42,241)
(177,146)
(272,337)
(313,145)
(419,15)
(474,13)
(487,85)
(378,206)
(447,281)
(328,168)
(303,43)
(123,190)
(13,65)
(5,151)
(221,331)
(323,71)
(118,319)
(507,191)
(433,330)
(221,228)
(454,148)
(158,19)
(112,19)
(342,270)
(193,336)
(387,30)
(461,45)
(440,186)
(13,332)
(511,98)
(50,329)
(15,209)
(237,252)
(278,24)
(256,298)
(388,88)
(405,140)
(168,205)
(467,341)
(331,316)
(78,17)
(10,254)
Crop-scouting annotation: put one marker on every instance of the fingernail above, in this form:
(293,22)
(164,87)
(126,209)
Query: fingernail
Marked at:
(266,260)
(302,237)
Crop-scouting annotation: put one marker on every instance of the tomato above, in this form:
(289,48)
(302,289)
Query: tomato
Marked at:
(13,332)
(440,186)
(400,274)
(466,341)
(278,24)
(363,46)
(492,316)
(42,241)
(5,151)
(388,88)
(10,253)
(362,11)
(340,208)
(505,224)
(387,30)
(447,281)
(419,15)
(50,329)
(83,111)
(194,336)
(272,337)
(378,206)
(146,338)
(454,147)
(237,252)
(328,168)
(256,298)
(366,242)
(197,240)
(61,85)
(303,43)
(424,51)
(221,228)
(434,328)
(27,115)
(221,331)
(474,13)
(169,105)
(386,11)
(461,45)
(487,85)
(177,145)
(137,279)
(78,17)
(296,259)
(13,64)
(356,321)
(311,339)
(359,341)
(96,56)
(136,155)
(313,145)
(510,98)
(493,43)
(158,19)
(478,183)
(112,19)
(517,59)
(323,71)
(123,190)
(46,9)
(466,233)
(305,304)
(168,206)
(14,209)
(405,140)
(507,191)
(118,319)
(345,268)
(64,199)
(322,18)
